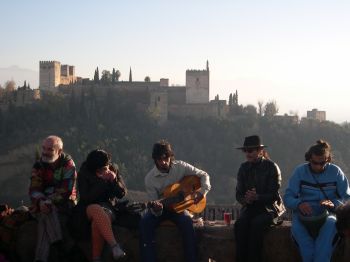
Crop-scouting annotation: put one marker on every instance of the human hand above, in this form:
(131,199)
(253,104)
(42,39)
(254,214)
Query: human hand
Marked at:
(45,206)
(305,208)
(156,207)
(251,196)
(107,175)
(327,203)
(197,197)
(6,210)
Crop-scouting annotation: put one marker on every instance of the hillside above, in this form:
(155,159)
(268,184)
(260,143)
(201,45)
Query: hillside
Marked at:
(115,124)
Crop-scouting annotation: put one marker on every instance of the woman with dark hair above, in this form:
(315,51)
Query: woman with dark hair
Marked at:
(99,184)
(315,189)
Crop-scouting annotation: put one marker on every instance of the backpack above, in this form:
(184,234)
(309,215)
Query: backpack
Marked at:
(8,229)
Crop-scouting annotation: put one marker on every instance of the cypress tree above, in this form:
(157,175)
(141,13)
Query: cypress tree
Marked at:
(113,76)
(96,76)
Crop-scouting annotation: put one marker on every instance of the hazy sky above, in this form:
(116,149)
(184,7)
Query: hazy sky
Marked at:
(295,52)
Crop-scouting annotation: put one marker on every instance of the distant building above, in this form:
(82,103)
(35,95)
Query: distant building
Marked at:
(162,100)
(288,119)
(214,109)
(20,97)
(197,86)
(53,74)
(316,115)
(159,105)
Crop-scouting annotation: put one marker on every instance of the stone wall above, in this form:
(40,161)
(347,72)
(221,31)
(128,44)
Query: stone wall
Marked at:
(199,111)
(215,243)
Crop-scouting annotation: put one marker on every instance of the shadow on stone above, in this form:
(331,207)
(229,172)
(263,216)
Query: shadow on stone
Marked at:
(215,242)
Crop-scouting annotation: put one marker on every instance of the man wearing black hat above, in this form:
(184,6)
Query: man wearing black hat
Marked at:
(258,182)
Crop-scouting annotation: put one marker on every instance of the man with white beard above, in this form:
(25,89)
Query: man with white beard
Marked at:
(53,193)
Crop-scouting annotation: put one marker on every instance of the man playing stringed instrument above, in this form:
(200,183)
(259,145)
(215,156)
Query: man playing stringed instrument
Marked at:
(166,172)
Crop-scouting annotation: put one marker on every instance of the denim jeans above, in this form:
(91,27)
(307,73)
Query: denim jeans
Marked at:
(148,224)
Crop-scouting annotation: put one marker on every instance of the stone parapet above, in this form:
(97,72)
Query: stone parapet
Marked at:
(215,243)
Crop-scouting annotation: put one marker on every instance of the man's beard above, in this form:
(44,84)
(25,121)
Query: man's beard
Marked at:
(164,169)
(48,159)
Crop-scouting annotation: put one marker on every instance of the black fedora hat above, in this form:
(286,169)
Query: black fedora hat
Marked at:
(252,142)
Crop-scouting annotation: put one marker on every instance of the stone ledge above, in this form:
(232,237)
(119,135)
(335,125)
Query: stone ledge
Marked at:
(215,242)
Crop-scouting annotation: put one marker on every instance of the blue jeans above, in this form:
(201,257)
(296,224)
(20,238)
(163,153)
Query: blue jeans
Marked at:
(148,224)
(319,249)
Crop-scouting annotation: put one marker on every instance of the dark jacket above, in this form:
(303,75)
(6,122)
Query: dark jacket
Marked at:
(94,190)
(265,177)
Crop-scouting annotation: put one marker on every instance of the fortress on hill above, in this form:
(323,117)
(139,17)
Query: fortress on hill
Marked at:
(161,98)
(53,74)
(164,101)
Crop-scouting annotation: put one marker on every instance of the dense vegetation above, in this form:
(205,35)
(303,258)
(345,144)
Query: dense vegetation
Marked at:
(115,123)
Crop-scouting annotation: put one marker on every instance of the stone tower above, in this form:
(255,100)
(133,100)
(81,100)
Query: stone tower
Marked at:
(49,74)
(159,105)
(197,86)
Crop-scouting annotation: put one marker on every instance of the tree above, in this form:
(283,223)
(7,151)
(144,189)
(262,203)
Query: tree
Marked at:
(235,98)
(130,75)
(10,86)
(73,105)
(1,121)
(2,91)
(230,101)
(106,77)
(271,109)
(113,76)
(250,110)
(96,76)
(147,79)
(117,75)
(261,107)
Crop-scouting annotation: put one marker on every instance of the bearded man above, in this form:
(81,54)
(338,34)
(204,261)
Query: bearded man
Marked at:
(53,193)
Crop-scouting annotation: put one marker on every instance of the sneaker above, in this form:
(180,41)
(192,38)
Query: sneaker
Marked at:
(117,252)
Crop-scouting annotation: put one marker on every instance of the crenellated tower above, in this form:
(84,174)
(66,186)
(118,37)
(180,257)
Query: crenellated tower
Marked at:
(49,74)
(53,74)
(197,86)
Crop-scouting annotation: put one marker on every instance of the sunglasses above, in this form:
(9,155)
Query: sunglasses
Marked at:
(248,150)
(322,163)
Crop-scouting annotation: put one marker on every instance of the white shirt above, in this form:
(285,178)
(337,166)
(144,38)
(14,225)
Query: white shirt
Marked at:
(157,181)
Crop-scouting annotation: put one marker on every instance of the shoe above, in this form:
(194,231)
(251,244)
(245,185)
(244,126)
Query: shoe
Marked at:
(117,252)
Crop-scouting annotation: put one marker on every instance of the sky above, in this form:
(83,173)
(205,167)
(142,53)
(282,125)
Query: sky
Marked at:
(294,52)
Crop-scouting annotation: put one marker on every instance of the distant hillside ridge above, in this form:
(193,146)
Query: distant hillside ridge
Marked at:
(115,123)
(19,75)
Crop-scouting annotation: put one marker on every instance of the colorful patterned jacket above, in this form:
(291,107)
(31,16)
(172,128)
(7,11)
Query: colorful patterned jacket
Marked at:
(56,181)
